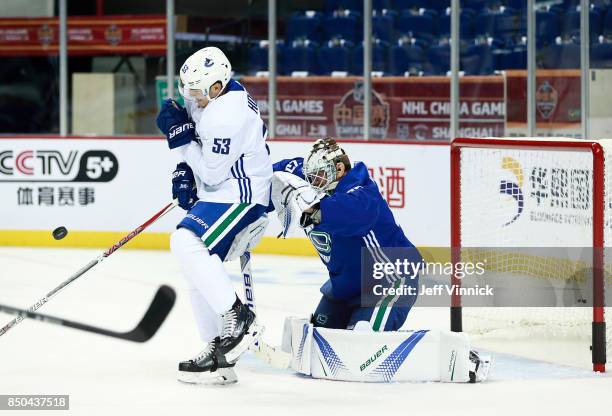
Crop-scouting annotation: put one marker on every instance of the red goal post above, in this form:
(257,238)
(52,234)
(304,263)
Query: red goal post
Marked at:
(596,149)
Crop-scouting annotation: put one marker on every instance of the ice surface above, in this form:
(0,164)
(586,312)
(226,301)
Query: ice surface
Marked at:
(105,376)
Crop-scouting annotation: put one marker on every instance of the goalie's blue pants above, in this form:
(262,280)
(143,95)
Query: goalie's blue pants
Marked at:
(342,315)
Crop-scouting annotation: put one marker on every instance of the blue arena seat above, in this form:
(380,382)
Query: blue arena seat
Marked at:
(258,58)
(258,55)
(466,24)
(571,23)
(299,56)
(417,24)
(569,56)
(439,59)
(476,5)
(501,24)
(514,58)
(506,24)
(478,59)
(383,25)
(344,25)
(331,5)
(547,57)
(439,6)
(519,5)
(304,25)
(558,9)
(547,28)
(380,57)
(381,4)
(560,56)
(607,23)
(401,5)
(601,55)
(335,55)
(484,23)
(406,56)
(494,5)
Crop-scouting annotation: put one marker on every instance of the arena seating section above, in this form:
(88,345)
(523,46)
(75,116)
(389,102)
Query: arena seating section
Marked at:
(411,37)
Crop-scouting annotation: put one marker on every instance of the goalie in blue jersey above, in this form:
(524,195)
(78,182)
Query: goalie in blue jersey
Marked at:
(344,215)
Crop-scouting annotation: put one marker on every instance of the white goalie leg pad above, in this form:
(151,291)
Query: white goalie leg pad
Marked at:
(286,341)
(421,355)
(248,238)
(297,339)
(367,356)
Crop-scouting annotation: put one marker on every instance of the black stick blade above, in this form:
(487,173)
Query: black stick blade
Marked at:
(154,317)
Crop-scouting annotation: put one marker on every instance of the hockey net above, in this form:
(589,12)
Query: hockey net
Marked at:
(510,199)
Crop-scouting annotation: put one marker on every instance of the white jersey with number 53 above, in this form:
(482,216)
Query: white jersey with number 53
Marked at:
(232,163)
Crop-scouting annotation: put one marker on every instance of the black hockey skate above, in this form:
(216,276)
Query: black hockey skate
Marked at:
(208,367)
(240,331)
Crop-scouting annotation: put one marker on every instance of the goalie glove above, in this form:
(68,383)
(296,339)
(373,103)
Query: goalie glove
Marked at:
(292,195)
(311,218)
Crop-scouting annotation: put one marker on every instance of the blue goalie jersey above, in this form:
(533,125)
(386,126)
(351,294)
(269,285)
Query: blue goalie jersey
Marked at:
(354,217)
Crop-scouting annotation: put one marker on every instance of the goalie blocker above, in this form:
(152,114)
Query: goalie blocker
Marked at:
(422,355)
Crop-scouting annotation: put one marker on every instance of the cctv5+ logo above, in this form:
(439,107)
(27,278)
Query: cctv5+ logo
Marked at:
(57,166)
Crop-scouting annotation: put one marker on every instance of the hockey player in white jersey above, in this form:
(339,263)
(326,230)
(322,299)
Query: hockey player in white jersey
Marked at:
(223,182)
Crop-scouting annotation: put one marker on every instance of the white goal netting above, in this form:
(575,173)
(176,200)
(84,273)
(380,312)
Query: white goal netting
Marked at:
(529,211)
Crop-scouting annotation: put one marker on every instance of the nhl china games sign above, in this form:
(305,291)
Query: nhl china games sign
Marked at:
(418,108)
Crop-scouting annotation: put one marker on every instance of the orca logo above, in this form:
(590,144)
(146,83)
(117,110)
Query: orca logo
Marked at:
(321,319)
(208,62)
(321,241)
(513,189)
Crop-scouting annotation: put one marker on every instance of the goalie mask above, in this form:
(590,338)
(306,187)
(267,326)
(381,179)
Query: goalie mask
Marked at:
(202,70)
(320,164)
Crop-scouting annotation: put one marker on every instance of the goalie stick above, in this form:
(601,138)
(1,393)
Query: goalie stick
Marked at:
(90,265)
(269,354)
(152,320)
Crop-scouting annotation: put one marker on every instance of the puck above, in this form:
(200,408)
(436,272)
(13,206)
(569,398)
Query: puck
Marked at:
(60,232)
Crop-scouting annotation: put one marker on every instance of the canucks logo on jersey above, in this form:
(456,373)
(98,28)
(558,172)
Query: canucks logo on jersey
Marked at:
(322,243)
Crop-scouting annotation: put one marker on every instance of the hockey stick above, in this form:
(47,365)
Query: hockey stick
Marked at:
(90,265)
(152,320)
(271,355)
